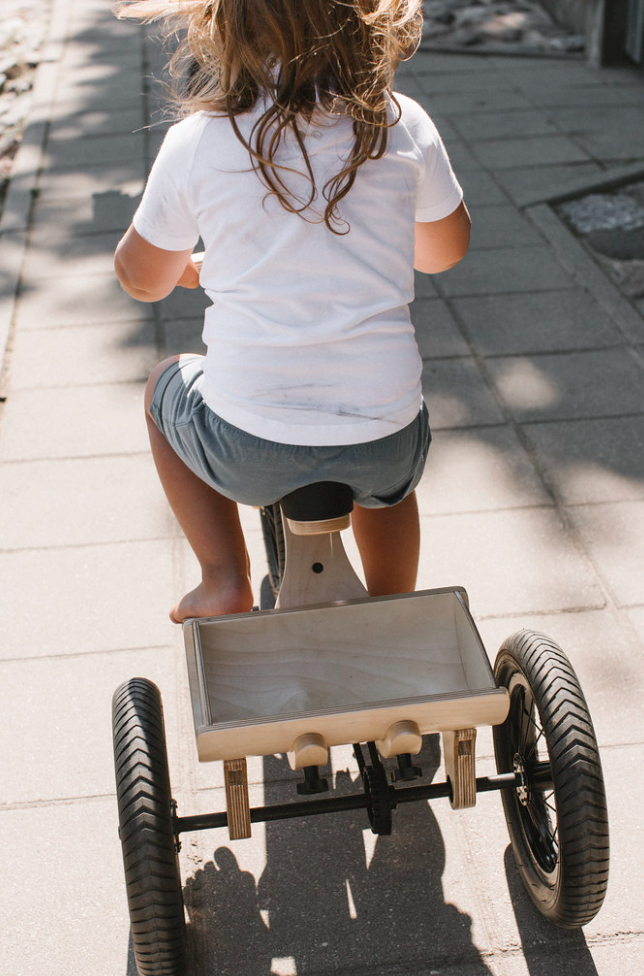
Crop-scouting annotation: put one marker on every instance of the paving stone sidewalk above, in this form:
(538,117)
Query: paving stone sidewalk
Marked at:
(533,499)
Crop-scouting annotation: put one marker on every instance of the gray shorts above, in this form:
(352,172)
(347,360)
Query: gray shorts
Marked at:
(259,472)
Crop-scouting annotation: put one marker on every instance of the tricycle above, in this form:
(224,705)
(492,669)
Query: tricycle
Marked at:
(328,665)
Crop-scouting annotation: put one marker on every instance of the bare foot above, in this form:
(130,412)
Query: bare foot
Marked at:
(213,601)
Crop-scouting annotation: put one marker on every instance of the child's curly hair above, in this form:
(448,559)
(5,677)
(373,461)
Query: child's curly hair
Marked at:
(339,55)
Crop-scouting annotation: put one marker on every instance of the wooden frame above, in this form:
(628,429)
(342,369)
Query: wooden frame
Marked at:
(346,668)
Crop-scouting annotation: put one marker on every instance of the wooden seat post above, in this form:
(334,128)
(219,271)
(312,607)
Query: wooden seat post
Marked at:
(317,568)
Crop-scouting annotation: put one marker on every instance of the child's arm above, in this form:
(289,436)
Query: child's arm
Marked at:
(440,244)
(149,273)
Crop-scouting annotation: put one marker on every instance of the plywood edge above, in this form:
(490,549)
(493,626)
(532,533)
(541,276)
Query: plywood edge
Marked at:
(196,678)
(460,766)
(363,724)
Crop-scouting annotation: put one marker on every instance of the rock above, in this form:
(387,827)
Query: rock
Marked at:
(630,277)
(520,24)
(604,211)
(620,245)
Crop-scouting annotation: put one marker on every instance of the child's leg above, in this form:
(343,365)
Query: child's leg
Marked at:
(389,543)
(211,525)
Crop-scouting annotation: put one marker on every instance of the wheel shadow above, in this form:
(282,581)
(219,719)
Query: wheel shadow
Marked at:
(332,895)
(541,941)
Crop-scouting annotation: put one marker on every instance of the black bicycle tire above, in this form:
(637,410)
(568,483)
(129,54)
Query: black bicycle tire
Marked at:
(563,859)
(274,544)
(152,876)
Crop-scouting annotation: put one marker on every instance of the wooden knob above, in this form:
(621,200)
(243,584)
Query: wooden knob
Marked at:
(308,750)
(401,737)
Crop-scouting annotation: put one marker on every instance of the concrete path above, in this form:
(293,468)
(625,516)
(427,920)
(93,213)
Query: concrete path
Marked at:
(533,500)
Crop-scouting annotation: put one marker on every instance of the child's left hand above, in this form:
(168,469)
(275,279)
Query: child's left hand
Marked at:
(190,276)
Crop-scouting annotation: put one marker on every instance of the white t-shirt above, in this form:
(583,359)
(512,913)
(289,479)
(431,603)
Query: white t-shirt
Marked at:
(309,338)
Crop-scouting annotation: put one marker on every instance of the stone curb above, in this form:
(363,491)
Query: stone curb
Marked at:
(612,179)
(16,211)
(573,256)
(501,50)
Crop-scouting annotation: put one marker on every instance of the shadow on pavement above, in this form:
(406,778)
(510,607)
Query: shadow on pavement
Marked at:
(330,901)
(541,941)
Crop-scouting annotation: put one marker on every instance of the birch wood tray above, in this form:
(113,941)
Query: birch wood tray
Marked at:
(340,673)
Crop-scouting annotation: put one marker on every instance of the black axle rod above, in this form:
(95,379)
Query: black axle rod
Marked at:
(539,778)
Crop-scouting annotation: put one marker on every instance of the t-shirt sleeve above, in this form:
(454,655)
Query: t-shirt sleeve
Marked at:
(438,193)
(165,217)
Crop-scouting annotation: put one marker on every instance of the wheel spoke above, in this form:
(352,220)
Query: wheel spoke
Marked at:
(545,834)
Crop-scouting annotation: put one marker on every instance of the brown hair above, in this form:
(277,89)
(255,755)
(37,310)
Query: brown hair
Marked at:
(339,55)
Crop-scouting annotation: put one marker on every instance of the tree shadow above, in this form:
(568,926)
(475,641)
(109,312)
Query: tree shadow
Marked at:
(331,893)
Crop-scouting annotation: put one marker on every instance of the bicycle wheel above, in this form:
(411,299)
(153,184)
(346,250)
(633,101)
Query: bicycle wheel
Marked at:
(273,533)
(557,817)
(152,877)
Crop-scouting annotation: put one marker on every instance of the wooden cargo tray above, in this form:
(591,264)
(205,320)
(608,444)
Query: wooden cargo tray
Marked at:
(344,673)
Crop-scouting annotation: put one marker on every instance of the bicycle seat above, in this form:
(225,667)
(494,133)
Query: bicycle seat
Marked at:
(320,507)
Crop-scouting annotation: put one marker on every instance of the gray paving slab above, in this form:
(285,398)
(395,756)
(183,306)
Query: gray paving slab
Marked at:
(68,223)
(622,910)
(123,352)
(480,189)
(67,893)
(531,184)
(60,713)
(613,536)
(505,125)
(84,300)
(454,80)
(500,226)
(97,123)
(569,385)
(624,906)
(572,255)
(446,127)
(636,619)
(589,461)
(457,103)
(461,156)
(84,599)
(118,83)
(559,94)
(91,254)
(81,501)
(605,653)
(96,35)
(621,954)
(583,119)
(611,146)
(424,285)
(504,269)
(100,420)
(457,395)
(531,322)
(477,470)
(437,333)
(183,303)
(363,895)
(510,562)
(548,150)
(96,150)
(183,335)
(430,62)
(91,183)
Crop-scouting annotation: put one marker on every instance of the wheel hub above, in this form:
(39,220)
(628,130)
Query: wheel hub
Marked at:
(522,790)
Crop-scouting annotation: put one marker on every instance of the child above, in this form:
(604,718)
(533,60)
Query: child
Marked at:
(316,192)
